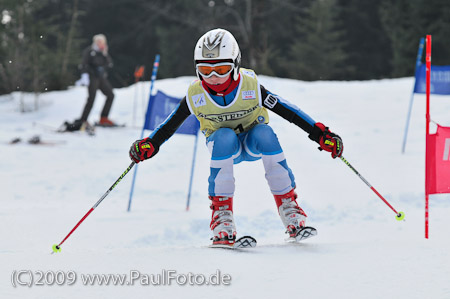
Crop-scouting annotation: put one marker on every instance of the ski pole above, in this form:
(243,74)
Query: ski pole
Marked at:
(400,215)
(57,247)
(150,101)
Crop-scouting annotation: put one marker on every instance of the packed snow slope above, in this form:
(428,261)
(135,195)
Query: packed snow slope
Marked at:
(361,250)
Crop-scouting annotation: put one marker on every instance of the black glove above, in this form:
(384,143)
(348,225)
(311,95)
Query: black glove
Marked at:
(328,141)
(143,149)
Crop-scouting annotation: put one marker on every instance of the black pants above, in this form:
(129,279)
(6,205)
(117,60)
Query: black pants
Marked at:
(106,88)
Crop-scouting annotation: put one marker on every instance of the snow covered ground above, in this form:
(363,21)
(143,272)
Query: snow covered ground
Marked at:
(361,250)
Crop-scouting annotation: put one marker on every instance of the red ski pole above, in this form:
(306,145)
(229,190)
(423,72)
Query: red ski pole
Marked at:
(57,247)
(400,215)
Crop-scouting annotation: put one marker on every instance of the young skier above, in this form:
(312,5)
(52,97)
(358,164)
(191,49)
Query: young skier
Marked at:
(231,106)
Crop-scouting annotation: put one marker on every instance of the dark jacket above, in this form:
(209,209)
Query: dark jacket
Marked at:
(95,63)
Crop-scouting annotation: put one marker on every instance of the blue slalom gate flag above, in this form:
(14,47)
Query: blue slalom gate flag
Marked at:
(439,83)
(439,80)
(159,108)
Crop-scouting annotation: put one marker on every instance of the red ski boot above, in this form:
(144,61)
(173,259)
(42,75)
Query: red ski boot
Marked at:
(292,216)
(222,223)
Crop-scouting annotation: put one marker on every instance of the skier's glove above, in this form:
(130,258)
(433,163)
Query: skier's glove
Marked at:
(328,141)
(143,149)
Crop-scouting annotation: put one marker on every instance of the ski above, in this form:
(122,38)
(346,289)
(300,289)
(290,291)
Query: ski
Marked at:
(305,233)
(36,140)
(241,243)
(66,127)
(110,126)
(89,130)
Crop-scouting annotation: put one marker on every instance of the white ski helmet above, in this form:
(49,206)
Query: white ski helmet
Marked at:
(218,44)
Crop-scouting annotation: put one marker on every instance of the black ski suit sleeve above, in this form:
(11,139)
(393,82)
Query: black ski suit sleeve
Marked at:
(166,129)
(288,111)
(109,61)
(95,63)
(84,66)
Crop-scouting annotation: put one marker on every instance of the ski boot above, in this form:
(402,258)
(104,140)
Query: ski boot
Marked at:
(106,122)
(292,216)
(71,126)
(222,222)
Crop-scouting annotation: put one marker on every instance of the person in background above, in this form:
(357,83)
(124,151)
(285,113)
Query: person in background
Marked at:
(94,73)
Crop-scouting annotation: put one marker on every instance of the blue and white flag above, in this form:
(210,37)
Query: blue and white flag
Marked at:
(439,80)
(159,108)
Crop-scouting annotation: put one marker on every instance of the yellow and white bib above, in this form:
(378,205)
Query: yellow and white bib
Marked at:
(242,114)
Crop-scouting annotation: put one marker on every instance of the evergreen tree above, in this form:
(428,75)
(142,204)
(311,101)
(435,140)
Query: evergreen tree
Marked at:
(42,41)
(317,52)
(402,29)
(406,21)
(433,17)
(367,45)
(37,45)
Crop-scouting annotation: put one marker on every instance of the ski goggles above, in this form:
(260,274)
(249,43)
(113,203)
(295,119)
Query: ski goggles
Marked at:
(219,69)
